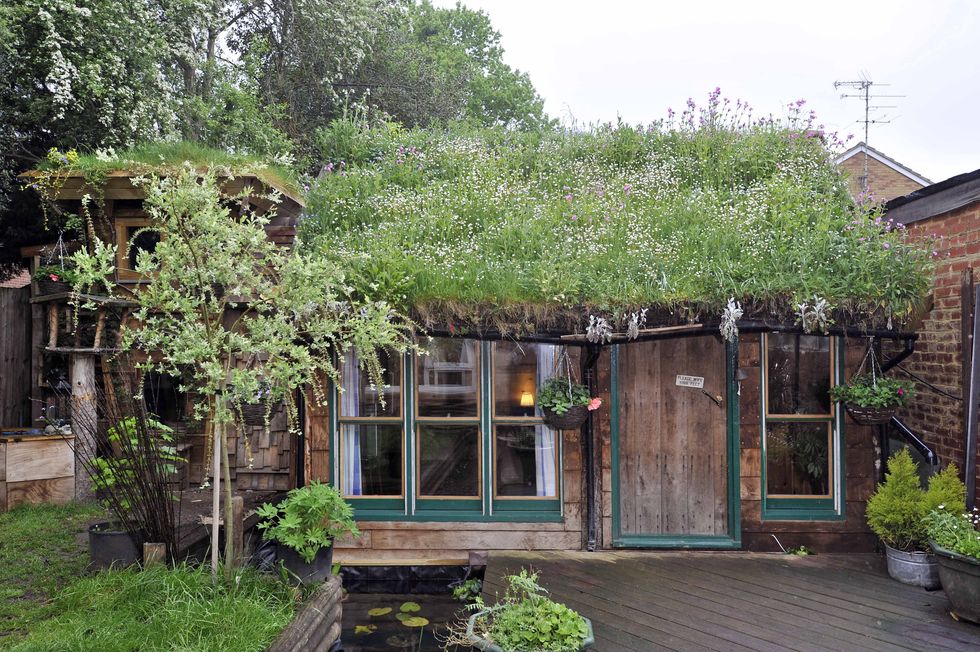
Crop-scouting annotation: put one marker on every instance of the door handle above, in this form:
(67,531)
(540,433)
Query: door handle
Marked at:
(714,399)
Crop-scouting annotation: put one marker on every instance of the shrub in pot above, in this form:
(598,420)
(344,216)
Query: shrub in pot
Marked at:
(896,511)
(955,539)
(524,620)
(304,525)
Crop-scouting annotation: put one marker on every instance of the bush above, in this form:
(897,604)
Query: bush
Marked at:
(897,511)
(309,519)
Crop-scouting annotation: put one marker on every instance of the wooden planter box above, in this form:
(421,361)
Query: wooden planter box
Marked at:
(35,469)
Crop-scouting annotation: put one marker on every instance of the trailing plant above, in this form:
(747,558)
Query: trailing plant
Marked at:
(958,531)
(897,509)
(308,519)
(524,620)
(56,273)
(877,391)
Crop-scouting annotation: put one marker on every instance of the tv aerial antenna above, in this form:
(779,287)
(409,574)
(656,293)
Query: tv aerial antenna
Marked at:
(861,90)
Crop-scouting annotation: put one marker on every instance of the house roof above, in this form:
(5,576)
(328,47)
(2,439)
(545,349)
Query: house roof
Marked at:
(935,199)
(864,148)
(17,281)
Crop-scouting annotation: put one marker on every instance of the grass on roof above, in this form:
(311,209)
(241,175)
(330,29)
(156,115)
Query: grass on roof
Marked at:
(678,216)
(169,156)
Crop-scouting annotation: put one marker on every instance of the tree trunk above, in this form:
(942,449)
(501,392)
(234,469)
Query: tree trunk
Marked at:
(84,419)
(216,435)
(230,525)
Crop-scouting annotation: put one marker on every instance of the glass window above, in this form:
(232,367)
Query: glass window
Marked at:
(526,460)
(371,459)
(359,398)
(448,379)
(518,371)
(140,238)
(798,458)
(798,373)
(449,460)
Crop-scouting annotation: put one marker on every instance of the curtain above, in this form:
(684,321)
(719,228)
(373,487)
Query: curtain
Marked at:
(545,442)
(349,406)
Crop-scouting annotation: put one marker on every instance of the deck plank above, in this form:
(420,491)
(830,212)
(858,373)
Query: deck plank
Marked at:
(655,600)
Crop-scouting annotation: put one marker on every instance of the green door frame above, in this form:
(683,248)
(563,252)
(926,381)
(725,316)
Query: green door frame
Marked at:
(733,540)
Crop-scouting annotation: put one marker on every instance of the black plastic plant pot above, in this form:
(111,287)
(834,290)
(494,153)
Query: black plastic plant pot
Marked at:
(302,572)
(110,546)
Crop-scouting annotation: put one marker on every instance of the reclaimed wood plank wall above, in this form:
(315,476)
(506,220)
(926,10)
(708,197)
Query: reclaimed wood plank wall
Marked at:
(15,357)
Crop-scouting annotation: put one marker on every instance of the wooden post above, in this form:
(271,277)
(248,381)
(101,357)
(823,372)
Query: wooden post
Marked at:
(99,328)
(238,519)
(154,554)
(37,360)
(84,418)
(52,325)
(970,399)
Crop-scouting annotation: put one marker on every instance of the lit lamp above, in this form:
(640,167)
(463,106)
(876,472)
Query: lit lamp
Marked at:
(527,400)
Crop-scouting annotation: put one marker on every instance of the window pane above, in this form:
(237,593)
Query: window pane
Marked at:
(448,378)
(140,239)
(798,459)
(361,399)
(525,464)
(518,371)
(449,460)
(798,374)
(371,463)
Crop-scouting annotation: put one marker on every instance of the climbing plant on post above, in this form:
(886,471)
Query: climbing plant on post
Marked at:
(238,318)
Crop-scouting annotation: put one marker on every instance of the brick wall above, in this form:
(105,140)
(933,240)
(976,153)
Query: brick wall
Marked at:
(937,358)
(883,182)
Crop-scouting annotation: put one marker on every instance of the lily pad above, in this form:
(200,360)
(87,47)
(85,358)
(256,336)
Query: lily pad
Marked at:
(403,616)
(380,611)
(365,629)
(415,621)
(410,607)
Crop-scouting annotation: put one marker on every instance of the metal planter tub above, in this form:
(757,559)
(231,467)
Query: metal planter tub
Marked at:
(487,646)
(961,582)
(915,568)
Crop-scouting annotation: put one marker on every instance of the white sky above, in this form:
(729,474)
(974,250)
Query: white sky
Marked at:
(594,60)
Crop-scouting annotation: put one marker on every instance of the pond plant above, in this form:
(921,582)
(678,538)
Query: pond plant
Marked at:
(523,620)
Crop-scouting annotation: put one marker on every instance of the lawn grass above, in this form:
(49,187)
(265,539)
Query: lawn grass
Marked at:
(39,555)
(51,603)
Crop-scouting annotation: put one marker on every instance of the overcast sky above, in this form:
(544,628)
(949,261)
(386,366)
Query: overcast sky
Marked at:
(594,60)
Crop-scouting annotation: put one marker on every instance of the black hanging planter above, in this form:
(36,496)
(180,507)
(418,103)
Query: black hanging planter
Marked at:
(871,416)
(253,414)
(46,286)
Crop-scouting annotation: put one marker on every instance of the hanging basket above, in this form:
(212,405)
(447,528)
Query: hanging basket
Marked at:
(573,418)
(46,286)
(253,414)
(871,416)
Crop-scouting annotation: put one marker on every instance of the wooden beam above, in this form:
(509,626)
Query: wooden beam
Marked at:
(970,444)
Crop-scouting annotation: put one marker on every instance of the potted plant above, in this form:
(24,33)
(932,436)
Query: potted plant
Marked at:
(54,279)
(955,539)
(565,403)
(524,620)
(117,478)
(304,525)
(896,511)
(872,399)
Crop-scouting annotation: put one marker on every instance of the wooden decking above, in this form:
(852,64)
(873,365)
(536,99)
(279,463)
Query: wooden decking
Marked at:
(742,601)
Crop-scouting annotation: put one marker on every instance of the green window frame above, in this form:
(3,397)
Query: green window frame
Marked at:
(412,505)
(801,506)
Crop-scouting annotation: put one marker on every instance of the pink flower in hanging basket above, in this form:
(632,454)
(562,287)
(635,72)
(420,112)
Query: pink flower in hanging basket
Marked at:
(594,404)
(53,277)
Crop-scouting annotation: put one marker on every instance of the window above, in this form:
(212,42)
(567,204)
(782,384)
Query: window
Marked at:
(467,441)
(802,476)
(132,237)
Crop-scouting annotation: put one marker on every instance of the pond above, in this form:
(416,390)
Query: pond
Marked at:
(375,622)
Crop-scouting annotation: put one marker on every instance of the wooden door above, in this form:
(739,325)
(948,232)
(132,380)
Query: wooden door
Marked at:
(673,441)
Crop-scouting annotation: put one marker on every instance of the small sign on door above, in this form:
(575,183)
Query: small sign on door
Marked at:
(697,382)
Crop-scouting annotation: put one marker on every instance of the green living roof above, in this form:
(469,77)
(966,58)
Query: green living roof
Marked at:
(516,231)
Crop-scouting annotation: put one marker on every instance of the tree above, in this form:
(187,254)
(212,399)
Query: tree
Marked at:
(239,319)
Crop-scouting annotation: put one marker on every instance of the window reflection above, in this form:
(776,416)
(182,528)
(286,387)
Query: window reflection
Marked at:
(448,379)
(525,462)
(360,398)
(449,460)
(798,458)
(798,374)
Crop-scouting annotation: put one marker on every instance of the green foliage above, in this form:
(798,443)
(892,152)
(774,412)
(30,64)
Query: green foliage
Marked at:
(468,590)
(879,392)
(559,393)
(165,609)
(40,553)
(678,216)
(954,530)
(58,273)
(897,510)
(308,519)
(526,620)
